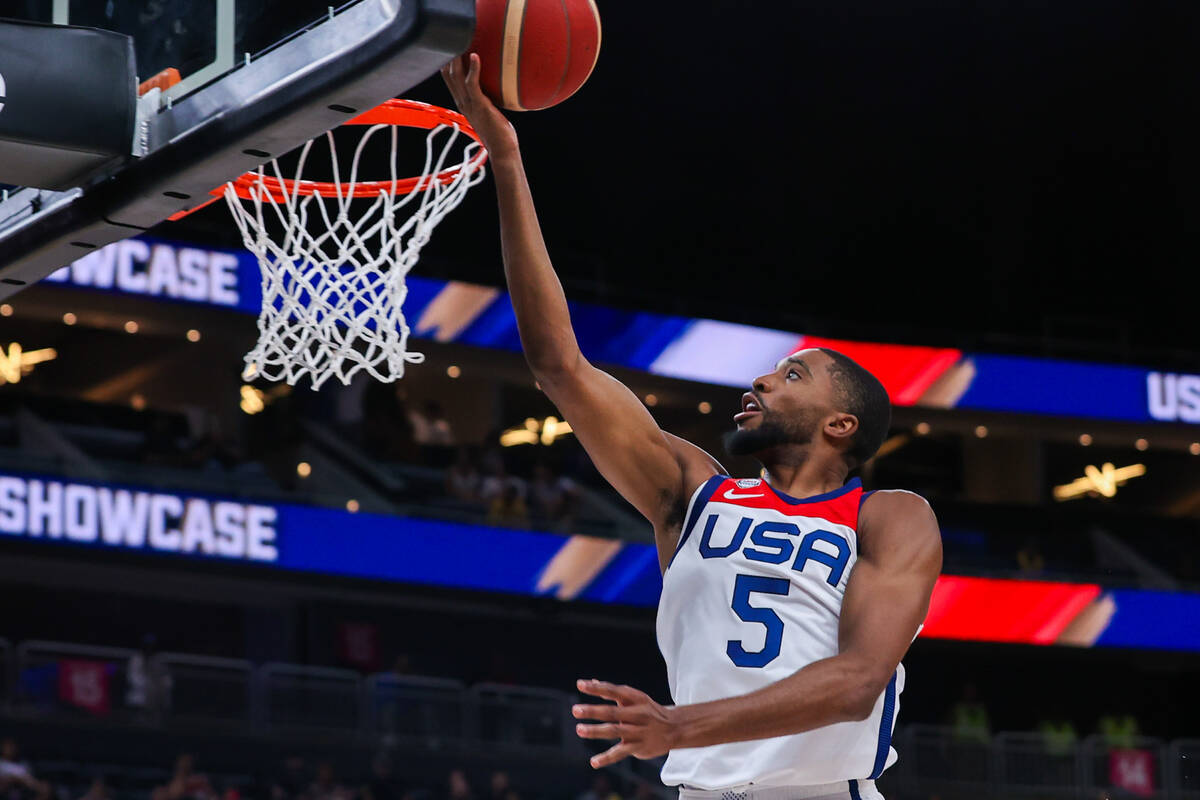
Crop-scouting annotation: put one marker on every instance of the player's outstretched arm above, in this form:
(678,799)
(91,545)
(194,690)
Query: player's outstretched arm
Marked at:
(653,472)
(886,600)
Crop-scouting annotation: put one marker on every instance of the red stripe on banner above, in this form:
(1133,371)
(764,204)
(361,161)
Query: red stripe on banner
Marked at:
(992,610)
(906,371)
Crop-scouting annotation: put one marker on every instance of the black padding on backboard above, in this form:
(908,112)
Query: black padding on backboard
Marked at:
(211,136)
(69,103)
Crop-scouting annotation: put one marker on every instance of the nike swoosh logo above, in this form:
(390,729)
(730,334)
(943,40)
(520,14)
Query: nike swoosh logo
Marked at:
(730,495)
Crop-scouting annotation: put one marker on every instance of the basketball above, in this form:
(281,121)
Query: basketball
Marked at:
(535,54)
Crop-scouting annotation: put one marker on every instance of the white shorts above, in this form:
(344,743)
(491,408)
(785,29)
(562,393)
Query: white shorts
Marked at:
(842,790)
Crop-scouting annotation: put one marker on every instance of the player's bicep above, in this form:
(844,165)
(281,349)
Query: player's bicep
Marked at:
(887,596)
(622,439)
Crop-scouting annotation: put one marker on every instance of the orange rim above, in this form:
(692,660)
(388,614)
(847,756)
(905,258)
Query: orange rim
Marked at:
(401,113)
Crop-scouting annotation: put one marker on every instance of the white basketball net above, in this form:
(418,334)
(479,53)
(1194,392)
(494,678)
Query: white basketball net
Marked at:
(332,300)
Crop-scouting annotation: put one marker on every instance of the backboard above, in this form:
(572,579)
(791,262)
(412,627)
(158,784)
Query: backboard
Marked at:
(257,78)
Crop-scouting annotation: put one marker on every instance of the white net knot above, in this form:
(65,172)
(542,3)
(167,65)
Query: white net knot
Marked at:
(332,300)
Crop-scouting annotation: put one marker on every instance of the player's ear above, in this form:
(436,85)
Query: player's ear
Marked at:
(841,426)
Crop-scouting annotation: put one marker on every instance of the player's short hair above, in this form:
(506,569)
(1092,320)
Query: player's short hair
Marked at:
(860,393)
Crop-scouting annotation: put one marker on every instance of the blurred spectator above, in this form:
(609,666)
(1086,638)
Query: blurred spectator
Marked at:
(383,784)
(388,431)
(501,786)
(507,509)
(503,494)
(553,496)
(643,791)
(463,481)
(161,444)
(148,686)
(602,789)
(458,787)
(185,783)
(1119,730)
(98,790)
(430,426)
(1030,559)
(1058,735)
(402,665)
(291,780)
(17,781)
(211,448)
(969,717)
(325,785)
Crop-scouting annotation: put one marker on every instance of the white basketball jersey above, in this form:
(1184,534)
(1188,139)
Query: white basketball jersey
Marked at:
(752,594)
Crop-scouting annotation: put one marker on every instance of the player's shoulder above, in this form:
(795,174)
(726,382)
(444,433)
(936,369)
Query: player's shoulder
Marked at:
(895,499)
(697,464)
(888,508)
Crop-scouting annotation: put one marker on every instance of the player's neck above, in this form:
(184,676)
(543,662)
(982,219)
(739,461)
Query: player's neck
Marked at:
(806,478)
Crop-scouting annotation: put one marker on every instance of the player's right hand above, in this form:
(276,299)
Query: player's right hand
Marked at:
(494,129)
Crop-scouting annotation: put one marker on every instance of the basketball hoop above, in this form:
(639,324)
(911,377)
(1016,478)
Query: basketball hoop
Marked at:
(332,300)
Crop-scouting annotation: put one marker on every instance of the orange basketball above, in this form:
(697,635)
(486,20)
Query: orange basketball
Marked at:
(535,53)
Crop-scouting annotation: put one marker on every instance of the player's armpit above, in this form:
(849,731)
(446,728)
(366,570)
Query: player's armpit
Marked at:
(887,596)
(646,465)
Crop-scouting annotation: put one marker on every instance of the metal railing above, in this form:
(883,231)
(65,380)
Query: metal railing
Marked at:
(175,690)
(205,691)
(297,697)
(1183,756)
(936,760)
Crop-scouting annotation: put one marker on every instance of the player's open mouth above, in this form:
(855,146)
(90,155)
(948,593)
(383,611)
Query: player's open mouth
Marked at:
(750,407)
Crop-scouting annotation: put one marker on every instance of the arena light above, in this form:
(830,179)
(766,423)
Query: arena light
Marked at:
(516,436)
(16,362)
(253,401)
(532,431)
(1103,480)
(549,430)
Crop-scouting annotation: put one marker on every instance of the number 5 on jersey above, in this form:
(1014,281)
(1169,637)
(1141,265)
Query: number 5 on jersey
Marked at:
(743,587)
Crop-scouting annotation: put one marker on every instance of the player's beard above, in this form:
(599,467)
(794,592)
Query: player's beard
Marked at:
(769,434)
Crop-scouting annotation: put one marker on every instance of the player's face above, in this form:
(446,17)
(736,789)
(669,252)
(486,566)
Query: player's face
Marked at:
(785,407)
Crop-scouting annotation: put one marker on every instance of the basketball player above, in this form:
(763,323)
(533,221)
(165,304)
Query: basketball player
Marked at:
(788,600)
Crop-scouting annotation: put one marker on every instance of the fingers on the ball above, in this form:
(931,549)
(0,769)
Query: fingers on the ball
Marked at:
(473,71)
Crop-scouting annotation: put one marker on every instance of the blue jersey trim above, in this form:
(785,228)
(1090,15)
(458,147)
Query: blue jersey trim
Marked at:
(854,795)
(885,728)
(864,497)
(706,493)
(861,500)
(854,483)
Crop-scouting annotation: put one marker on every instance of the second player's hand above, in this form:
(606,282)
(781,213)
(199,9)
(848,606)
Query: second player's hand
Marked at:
(462,78)
(645,728)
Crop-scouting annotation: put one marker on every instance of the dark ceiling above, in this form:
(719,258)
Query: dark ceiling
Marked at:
(995,174)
